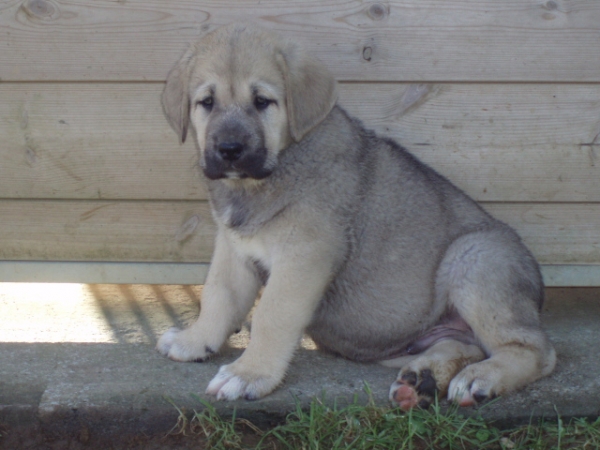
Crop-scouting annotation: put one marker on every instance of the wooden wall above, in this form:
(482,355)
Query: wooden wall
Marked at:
(501,96)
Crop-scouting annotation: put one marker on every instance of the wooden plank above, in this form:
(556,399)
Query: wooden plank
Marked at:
(104,141)
(499,142)
(106,231)
(409,40)
(569,275)
(183,231)
(559,233)
(195,273)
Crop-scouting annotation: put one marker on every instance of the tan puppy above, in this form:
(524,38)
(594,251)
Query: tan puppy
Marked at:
(369,251)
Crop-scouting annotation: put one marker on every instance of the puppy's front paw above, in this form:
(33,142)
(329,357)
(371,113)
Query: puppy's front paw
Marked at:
(183,345)
(232,382)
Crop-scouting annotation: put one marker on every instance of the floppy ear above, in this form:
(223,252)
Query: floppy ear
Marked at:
(310,90)
(175,97)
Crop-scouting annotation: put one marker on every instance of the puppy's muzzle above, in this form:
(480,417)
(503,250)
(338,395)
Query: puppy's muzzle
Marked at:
(232,159)
(235,147)
(230,151)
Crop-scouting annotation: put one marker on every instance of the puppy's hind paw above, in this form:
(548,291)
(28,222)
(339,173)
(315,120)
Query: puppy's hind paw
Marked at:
(469,392)
(413,389)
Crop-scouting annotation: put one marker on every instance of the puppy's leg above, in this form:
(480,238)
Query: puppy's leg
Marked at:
(399,362)
(296,284)
(430,373)
(230,291)
(494,285)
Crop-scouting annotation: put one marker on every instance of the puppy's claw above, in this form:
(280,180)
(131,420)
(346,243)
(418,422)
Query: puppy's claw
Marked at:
(480,396)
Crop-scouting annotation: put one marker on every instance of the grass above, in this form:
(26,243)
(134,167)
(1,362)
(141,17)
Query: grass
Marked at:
(367,426)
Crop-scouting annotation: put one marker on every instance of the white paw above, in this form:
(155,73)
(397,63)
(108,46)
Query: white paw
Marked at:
(228,386)
(468,390)
(183,345)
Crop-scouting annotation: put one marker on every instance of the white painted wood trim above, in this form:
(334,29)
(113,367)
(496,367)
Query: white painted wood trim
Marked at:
(102,272)
(566,275)
(555,275)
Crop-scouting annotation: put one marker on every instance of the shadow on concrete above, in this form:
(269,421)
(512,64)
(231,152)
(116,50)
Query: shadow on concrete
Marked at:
(140,313)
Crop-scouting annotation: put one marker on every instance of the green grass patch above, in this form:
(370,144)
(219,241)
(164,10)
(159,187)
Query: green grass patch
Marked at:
(367,426)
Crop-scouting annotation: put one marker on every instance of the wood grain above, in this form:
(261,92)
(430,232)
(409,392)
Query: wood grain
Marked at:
(498,142)
(183,231)
(409,40)
(104,141)
(560,233)
(500,96)
(105,231)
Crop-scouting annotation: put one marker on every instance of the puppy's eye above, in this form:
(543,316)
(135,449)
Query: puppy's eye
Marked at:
(207,103)
(262,103)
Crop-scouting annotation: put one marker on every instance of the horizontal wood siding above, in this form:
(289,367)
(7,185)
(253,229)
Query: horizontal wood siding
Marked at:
(500,96)
(73,230)
(499,142)
(171,231)
(410,40)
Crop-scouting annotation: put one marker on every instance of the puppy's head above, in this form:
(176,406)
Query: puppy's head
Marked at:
(246,94)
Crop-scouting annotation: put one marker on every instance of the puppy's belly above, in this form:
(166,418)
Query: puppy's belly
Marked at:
(362,337)
(355,351)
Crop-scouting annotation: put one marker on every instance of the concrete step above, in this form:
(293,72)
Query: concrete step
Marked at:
(81,357)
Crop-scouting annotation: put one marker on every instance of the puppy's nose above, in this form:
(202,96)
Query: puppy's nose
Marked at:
(231,151)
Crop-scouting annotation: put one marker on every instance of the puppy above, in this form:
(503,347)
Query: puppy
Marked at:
(357,243)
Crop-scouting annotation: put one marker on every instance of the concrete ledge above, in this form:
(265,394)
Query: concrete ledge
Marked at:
(104,377)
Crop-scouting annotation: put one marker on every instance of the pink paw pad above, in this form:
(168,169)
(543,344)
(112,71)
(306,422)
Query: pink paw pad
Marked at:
(406,397)
(414,390)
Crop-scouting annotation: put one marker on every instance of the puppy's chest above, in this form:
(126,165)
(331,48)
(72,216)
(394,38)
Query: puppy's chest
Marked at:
(245,213)
(246,221)
(237,212)
(233,215)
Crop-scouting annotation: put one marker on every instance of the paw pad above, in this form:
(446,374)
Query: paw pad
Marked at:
(414,389)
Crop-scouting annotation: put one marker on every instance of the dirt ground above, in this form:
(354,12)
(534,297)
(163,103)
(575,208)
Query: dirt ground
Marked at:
(32,438)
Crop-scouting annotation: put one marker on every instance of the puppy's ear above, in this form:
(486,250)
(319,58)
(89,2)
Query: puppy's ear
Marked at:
(175,97)
(310,88)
